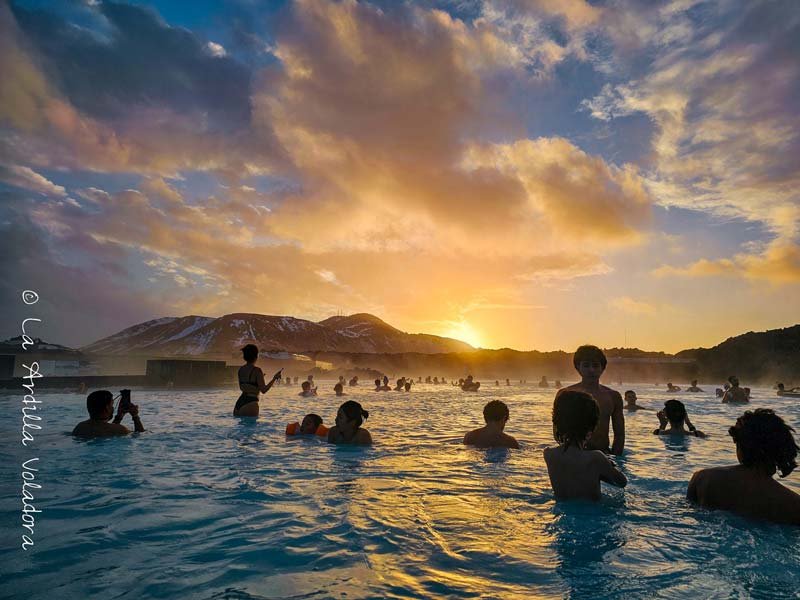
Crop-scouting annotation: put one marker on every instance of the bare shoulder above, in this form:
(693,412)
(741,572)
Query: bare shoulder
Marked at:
(611,393)
(511,441)
(469,437)
(548,453)
(364,437)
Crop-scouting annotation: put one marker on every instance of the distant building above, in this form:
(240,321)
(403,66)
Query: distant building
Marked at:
(186,373)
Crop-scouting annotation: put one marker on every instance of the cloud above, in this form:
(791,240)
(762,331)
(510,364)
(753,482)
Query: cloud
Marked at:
(632,306)
(778,264)
(723,94)
(26,178)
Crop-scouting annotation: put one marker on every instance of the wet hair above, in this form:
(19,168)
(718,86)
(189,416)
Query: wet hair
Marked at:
(315,418)
(495,411)
(675,412)
(306,385)
(589,354)
(377,383)
(97,401)
(733,378)
(575,415)
(353,411)
(250,352)
(627,392)
(764,439)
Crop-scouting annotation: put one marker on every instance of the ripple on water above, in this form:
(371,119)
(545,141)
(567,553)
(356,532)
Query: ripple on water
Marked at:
(207,506)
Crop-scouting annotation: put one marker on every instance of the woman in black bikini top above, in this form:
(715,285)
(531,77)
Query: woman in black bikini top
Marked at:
(251,384)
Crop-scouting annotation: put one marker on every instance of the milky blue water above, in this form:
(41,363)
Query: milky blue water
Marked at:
(204,505)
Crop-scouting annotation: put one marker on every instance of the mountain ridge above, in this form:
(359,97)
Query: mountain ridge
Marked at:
(196,335)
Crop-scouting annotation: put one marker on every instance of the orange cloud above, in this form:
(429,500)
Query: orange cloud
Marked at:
(778,264)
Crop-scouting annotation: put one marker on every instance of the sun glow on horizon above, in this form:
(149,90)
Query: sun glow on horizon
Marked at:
(463,331)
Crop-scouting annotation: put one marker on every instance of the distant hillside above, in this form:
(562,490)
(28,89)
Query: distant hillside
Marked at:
(767,356)
(224,336)
(14,346)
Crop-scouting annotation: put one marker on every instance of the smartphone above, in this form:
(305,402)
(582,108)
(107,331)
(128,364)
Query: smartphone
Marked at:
(125,400)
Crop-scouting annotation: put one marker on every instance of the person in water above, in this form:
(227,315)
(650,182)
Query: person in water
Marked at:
(674,414)
(491,435)
(557,384)
(590,362)
(339,389)
(543,382)
(311,425)
(672,388)
(100,406)
(408,386)
(382,386)
(348,428)
(734,394)
(575,469)
(307,390)
(764,445)
(630,401)
(469,385)
(251,383)
(693,388)
(354,381)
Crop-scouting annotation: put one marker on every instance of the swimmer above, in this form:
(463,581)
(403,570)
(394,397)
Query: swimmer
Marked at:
(311,425)
(491,435)
(630,401)
(496,382)
(251,383)
(693,388)
(764,445)
(734,394)
(575,470)
(339,389)
(408,386)
(100,406)
(590,362)
(543,382)
(353,381)
(400,384)
(674,415)
(468,385)
(508,382)
(672,388)
(720,392)
(348,428)
(558,384)
(307,390)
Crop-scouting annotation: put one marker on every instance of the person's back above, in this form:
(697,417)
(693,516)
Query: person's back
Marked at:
(590,362)
(94,428)
(574,471)
(491,435)
(764,445)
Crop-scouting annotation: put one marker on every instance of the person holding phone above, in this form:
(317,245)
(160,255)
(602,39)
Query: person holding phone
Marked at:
(100,405)
(251,383)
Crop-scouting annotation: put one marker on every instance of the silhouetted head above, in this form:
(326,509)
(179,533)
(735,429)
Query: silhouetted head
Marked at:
(589,360)
(495,411)
(675,411)
(306,385)
(694,382)
(575,416)
(311,423)
(764,440)
(408,386)
(781,387)
(385,380)
(250,352)
(338,388)
(351,412)
(100,404)
(377,383)
(630,397)
(733,380)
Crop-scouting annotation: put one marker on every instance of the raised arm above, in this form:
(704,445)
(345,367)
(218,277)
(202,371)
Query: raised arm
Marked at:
(262,385)
(618,424)
(137,422)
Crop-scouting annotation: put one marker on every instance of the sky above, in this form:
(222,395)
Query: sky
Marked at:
(532,174)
